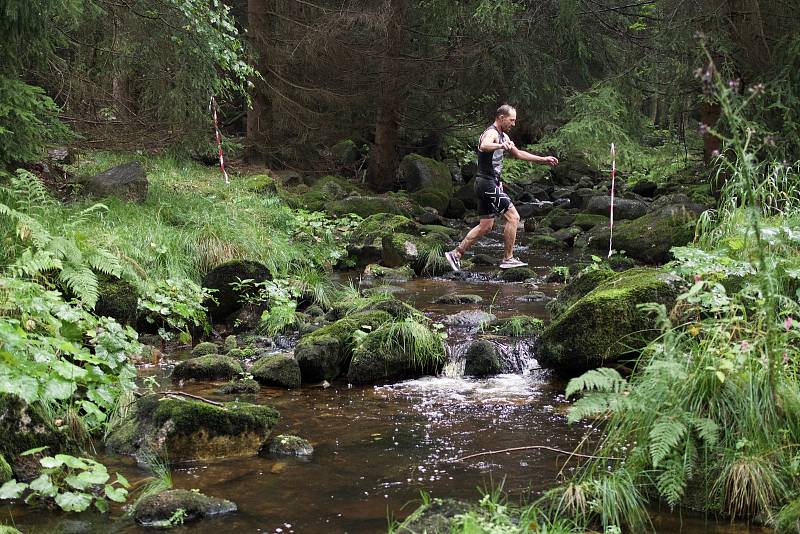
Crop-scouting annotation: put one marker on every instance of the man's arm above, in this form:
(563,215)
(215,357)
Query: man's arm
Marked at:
(527,156)
(489,142)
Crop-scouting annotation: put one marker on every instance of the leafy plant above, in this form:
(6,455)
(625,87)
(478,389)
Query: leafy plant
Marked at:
(423,346)
(175,305)
(74,484)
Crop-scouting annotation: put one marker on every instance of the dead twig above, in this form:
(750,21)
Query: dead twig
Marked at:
(513,449)
(196,397)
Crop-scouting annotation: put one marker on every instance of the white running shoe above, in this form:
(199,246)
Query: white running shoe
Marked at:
(453,260)
(512,262)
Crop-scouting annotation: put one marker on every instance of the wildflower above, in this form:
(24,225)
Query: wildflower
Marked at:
(787,324)
(698,72)
(702,129)
(697,278)
(745,346)
(715,153)
(769,140)
(757,89)
(734,84)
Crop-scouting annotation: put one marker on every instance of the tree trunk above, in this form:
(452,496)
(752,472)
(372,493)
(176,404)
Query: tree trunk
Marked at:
(259,116)
(384,156)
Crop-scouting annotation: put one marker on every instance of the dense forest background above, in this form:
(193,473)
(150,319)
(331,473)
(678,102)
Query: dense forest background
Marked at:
(397,76)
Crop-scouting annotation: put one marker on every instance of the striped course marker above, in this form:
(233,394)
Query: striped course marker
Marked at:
(213,106)
(613,179)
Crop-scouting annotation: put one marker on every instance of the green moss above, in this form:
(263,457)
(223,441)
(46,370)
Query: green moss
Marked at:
(545,242)
(518,325)
(517,274)
(238,354)
(157,510)
(239,387)
(606,324)
(277,370)
(209,367)
(482,359)
(118,299)
(204,348)
(432,198)
(364,206)
(439,229)
(5,470)
(23,427)
(232,418)
(380,224)
(260,183)
(419,172)
(587,221)
(577,287)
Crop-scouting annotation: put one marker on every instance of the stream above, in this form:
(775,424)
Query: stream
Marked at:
(377,448)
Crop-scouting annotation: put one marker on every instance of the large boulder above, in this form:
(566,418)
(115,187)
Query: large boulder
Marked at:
(118,299)
(418,252)
(221,280)
(189,430)
(156,510)
(127,182)
(379,225)
(326,353)
(418,173)
(649,238)
(208,367)
(278,370)
(606,325)
(482,359)
(624,208)
(577,287)
(24,427)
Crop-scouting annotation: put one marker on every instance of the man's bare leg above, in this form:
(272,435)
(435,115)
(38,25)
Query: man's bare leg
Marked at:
(510,231)
(472,236)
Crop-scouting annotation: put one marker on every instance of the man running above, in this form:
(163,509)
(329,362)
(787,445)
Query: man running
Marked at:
(492,201)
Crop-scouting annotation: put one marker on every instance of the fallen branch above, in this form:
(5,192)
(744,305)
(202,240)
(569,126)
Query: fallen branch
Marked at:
(512,449)
(196,397)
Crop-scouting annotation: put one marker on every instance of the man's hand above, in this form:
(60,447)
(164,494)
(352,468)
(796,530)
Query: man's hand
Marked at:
(508,145)
(550,160)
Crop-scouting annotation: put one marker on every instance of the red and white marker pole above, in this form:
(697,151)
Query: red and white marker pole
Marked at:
(213,106)
(613,180)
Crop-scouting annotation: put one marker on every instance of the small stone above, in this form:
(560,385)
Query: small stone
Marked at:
(458,299)
(286,445)
(156,510)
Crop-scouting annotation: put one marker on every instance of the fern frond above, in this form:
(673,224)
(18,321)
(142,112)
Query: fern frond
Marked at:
(86,214)
(32,263)
(665,435)
(66,249)
(29,192)
(671,482)
(707,430)
(104,261)
(82,281)
(597,404)
(602,379)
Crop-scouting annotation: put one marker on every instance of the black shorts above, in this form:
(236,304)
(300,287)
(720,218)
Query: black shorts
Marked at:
(492,201)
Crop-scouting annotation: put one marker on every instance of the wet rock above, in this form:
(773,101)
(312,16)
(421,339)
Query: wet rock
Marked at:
(518,274)
(577,287)
(466,194)
(581,196)
(432,198)
(278,370)
(587,221)
(484,259)
(470,318)
(127,181)
(325,353)
(482,359)
(209,367)
(516,326)
(156,510)
(455,208)
(222,279)
(534,296)
(381,224)
(23,427)
(378,273)
(567,235)
(205,348)
(606,325)
(562,192)
(649,238)
(239,387)
(286,445)
(382,356)
(561,220)
(417,252)
(458,299)
(187,430)
(624,208)
(545,242)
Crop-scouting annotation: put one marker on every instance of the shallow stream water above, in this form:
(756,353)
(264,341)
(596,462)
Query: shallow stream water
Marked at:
(377,448)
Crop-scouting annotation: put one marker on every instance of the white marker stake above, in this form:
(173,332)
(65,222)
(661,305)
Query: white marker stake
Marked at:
(613,179)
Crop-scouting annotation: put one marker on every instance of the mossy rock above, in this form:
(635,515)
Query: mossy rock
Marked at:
(189,430)
(516,326)
(118,299)
(23,427)
(365,206)
(517,274)
(208,367)
(240,387)
(420,253)
(6,473)
(386,274)
(649,238)
(376,361)
(545,242)
(438,517)
(205,348)
(606,325)
(221,278)
(451,233)
(261,183)
(345,152)
(381,224)
(325,353)
(455,208)
(277,370)
(587,221)
(482,359)
(286,445)
(456,298)
(577,287)
(237,354)
(554,214)
(418,173)
(156,510)
(432,198)
(230,343)
(311,201)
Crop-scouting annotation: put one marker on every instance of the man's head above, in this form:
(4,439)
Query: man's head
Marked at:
(506,117)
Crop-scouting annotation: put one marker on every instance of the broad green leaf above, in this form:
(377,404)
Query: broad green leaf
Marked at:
(94,477)
(123,481)
(101,505)
(73,502)
(33,451)
(48,462)
(59,389)
(12,489)
(71,461)
(77,483)
(44,485)
(116,494)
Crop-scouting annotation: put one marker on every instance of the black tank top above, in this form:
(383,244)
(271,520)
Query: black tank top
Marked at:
(490,164)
